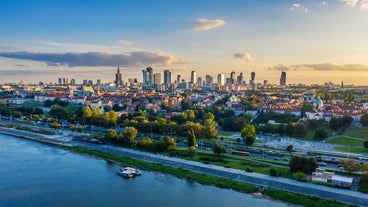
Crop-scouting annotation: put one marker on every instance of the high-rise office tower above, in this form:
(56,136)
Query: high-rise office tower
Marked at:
(193,76)
(209,80)
(178,78)
(72,82)
(199,81)
(283,79)
(167,77)
(232,76)
(85,82)
(253,76)
(60,81)
(118,80)
(221,79)
(147,76)
(98,83)
(240,78)
(157,78)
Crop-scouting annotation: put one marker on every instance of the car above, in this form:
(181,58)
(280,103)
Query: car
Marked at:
(248,170)
(276,158)
(322,164)
(206,163)
(286,159)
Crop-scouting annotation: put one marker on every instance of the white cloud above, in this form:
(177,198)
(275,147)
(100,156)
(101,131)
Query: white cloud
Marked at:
(298,6)
(361,4)
(279,67)
(330,67)
(243,55)
(125,42)
(324,3)
(350,2)
(207,24)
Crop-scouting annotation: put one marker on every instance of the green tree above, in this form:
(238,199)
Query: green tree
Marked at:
(209,129)
(300,129)
(110,118)
(191,115)
(335,123)
(192,141)
(303,164)
(364,120)
(346,120)
(248,133)
(273,172)
(59,112)
(219,149)
(165,144)
(87,114)
(320,134)
(192,151)
(144,142)
(299,176)
(349,165)
(128,135)
(289,148)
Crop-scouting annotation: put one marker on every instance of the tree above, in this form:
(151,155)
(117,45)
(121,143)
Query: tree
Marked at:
(191,115)
(335,123)
(248,133)
(110,118)
(366,144)
(273,172)
(129,134)
(300,129)
(346,120)
(144,142)
(191,138)
(87,114)
(349,165)
(320,134)
(303,164)
(111,135)
(365,167)
(364,120)
(299,176)
(58,112)
(289,148)
(192,152)
(219,149)
(210,126)
(165,144)
(55,125)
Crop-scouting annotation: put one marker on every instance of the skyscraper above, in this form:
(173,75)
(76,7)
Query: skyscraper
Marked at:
(253,76)
(178,78)
(232,76)
(157,79)
(193,76)
(118,80)
(240,78)
(167,77)
(147,76)
(209,80)
(221,79)
(283,79)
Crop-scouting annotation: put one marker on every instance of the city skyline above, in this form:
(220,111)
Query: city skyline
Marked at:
(89,40)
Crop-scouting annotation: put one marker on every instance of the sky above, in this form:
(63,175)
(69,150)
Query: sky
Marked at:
(313,41)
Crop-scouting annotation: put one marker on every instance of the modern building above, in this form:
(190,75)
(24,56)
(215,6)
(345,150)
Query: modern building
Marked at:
(118,79)
(72,82)
(178,79)
(232,76)
(147,76)
(283,79)
(193,76)
(221,79)
(167,77)
(209,80)
(240,78)
(157,78)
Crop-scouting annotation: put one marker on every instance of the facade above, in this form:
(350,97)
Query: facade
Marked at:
(221,79)
(193,76)
(147,76)
(118,79)
(167,77)
(283,79)
(157,79)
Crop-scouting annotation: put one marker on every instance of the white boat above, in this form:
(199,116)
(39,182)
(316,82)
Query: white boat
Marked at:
(129,172)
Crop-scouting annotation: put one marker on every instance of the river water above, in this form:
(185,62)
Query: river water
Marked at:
(34,174)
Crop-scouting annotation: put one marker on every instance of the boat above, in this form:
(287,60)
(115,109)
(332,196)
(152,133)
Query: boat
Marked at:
(129,172)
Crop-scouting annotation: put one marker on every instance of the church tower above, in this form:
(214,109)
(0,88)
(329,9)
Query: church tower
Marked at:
(118,80)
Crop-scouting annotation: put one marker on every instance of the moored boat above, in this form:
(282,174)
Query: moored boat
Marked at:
(129,172)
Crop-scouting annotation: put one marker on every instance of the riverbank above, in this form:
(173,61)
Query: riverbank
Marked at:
(205,179)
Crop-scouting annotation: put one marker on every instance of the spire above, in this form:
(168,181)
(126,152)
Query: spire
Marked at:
(118,70)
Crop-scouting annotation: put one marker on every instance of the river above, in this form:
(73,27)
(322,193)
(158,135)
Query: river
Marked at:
(35,174)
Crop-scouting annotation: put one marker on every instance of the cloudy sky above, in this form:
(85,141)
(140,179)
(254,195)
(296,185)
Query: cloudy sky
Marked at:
(314,41)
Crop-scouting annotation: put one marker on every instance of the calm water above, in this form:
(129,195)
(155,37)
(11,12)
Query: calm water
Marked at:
(34,174)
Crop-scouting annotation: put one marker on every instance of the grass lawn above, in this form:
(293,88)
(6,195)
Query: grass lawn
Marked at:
(310,133)
(343,140)
(351,149)
(240,163)
(71,108)
(358,132)
(225,134)
(32,104)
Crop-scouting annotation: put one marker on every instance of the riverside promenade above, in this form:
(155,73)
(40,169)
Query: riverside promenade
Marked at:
(265,181)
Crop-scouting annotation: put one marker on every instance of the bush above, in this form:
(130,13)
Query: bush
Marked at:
(299,176)
(273,172)
(192,152)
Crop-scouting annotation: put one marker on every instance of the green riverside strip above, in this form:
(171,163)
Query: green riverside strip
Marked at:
(289,197)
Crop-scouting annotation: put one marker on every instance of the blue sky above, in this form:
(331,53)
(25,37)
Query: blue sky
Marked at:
(309,39)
